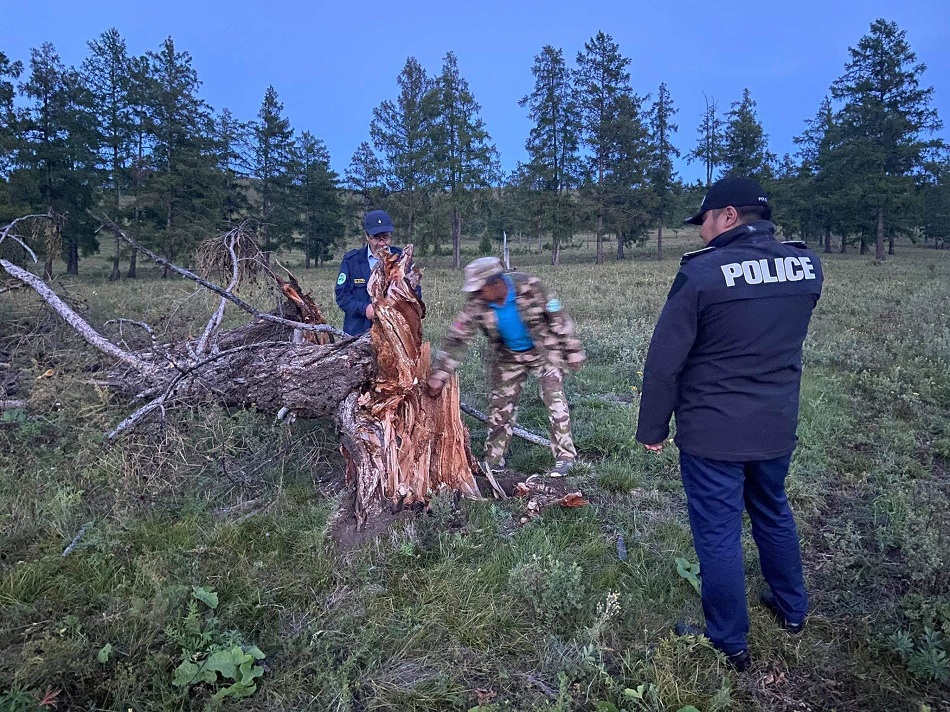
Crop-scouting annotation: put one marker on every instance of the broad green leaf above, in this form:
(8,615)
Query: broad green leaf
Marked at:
(690,572)
(226,662)
(185,674)
(105,653)
(205,595)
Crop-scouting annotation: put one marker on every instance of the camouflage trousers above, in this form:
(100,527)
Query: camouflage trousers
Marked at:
(508,373)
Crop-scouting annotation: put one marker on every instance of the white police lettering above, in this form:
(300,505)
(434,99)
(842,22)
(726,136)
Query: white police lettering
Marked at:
(792,264)
(779,269)
(752,271)
(807,267)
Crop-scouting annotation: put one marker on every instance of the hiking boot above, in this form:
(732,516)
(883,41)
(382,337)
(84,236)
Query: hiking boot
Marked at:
(768,601)
(738,661)
(561,469)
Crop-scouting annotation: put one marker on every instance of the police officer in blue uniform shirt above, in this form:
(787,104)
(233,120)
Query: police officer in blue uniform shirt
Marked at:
(726,358)
(350,292)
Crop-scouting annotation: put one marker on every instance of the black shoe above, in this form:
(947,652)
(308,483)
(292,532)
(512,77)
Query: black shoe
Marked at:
(683,628)
(768,600)
(739,661)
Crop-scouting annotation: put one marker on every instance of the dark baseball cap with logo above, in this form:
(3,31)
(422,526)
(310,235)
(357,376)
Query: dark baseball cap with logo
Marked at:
(377,221)
(737,192)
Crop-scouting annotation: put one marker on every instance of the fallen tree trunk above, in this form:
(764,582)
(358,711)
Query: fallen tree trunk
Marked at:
(400,445)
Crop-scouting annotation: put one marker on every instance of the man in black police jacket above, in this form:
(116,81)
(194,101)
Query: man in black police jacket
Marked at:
(726,358)
(351,295)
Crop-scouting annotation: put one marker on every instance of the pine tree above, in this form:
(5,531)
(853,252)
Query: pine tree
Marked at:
(662,175)
(9,71)
(57,154)
(9,134)
(140,95)
(465,160)
(553,168)
(628,199)
(107,74)
(320,204)
(402,133)
(935,207)
(746,151)
(601,79)
(364,178)
(272,169)
(885,119)
(818,184)
(180,194)
(711,143)
(231,138)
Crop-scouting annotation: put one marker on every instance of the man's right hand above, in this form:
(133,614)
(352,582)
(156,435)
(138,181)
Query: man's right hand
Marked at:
(434,386)
(370,312)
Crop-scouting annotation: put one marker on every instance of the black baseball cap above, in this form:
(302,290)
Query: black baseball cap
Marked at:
(377,221)
(737,192)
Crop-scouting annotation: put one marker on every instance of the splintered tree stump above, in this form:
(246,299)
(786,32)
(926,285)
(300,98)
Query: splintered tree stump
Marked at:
(400,444)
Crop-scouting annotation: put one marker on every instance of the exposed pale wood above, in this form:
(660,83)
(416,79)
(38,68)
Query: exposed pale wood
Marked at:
(401,445)
(78,324)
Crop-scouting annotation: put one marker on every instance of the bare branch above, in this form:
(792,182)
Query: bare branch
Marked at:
(141,324)
(136,418)
(72,545)
(6,232)
(215,321)
(11,286)
(80,325)
(520,432)
(12,404)
(215,288)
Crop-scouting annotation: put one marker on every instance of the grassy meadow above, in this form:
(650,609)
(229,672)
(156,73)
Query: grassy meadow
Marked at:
(211,535)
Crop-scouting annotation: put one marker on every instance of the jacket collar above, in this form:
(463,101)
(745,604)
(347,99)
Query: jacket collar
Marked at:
(757,227)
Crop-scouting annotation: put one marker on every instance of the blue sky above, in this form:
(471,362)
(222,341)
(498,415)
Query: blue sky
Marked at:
(332,62)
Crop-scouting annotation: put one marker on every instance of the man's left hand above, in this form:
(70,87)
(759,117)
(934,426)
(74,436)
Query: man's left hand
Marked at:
(653,448)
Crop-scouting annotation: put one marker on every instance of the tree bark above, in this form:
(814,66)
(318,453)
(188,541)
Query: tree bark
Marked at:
(72,256)
(600,235)
(131,274)
(659,240)
(879,241)
(828,240)
(456,238)
(116,274)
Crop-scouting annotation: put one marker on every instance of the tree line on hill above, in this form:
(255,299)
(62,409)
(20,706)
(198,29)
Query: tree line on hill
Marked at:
(130,136)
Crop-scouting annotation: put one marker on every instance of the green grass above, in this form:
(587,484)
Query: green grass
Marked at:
(439,609)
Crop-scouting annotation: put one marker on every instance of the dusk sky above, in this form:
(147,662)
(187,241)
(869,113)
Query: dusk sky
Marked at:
(332,63)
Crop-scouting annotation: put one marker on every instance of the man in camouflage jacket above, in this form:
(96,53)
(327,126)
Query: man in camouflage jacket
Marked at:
(527,333)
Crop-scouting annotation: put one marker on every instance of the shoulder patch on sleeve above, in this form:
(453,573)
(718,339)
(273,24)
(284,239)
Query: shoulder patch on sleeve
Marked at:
(695,253)
(341,279)
(796,243)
